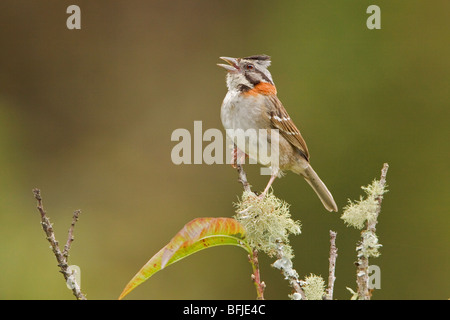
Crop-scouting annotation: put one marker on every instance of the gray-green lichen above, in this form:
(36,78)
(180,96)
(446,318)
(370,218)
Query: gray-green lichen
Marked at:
(314,287)
(267,222)
(368,247)
(358,212)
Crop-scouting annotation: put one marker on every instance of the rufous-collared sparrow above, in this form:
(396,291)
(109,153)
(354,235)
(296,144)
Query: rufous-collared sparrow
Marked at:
(252,103)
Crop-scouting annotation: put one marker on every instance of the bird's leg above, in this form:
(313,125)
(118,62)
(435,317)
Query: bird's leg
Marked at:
(272,179)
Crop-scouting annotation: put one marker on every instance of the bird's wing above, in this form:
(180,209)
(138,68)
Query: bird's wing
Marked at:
(281,120)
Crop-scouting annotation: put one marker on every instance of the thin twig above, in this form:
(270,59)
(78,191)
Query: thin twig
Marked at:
(256,276)
(237,164)
(243,177)
(332,265)
(61,257)
(70,237)
(362,265)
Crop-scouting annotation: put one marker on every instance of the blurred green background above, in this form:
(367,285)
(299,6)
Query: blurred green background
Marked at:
(87,115)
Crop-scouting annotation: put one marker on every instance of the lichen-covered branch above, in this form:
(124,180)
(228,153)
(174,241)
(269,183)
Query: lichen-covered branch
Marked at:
(268,224)
(371,225)
(365,213)
(61,256)
(253,258)
(369,245)
(285,265)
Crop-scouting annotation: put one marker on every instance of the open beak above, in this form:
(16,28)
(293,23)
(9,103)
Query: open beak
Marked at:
(232,65)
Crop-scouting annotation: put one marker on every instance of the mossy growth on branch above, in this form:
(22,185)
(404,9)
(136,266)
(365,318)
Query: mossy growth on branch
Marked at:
(267,222)
(358,212)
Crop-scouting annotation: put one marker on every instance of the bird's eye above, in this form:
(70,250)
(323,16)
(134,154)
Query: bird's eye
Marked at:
(250,67)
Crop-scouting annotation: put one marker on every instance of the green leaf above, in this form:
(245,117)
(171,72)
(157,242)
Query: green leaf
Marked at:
(199,234)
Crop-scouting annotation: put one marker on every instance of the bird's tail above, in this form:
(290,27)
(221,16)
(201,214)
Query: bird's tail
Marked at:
(320,188)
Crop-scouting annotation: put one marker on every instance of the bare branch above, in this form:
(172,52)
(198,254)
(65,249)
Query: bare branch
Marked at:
(61,257)
(332,265)
(70,237)
(256,276)
(243,177)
